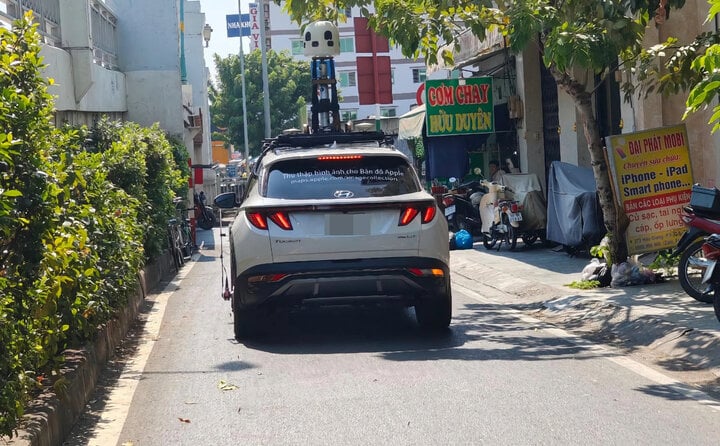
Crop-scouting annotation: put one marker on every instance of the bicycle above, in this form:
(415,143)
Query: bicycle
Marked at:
(187,241)
(175,244)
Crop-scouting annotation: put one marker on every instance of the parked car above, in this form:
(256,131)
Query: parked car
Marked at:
(336,219)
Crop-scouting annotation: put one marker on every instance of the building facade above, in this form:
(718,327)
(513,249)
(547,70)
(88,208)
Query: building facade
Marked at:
(362,94)
(128,60)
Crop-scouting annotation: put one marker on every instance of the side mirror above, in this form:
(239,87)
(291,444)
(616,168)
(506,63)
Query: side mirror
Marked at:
(226,200)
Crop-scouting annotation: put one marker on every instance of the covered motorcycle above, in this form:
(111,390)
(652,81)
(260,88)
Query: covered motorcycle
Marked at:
(527,191)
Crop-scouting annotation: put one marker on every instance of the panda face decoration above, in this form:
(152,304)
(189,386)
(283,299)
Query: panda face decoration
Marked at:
(321,39)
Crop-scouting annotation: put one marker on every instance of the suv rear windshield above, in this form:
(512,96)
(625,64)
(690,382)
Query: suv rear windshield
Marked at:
(368,176)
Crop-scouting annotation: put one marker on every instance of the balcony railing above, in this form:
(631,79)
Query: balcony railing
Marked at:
(103,24)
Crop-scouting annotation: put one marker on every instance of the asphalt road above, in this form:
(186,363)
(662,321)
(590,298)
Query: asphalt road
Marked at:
(346,377)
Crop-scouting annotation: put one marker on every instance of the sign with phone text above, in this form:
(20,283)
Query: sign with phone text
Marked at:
(459,106)
(653,180)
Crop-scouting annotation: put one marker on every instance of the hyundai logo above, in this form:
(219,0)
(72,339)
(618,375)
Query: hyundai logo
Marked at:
(343,194)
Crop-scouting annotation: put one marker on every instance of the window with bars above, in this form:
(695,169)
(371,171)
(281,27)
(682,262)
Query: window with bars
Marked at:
(103,25)
(46,13)
(348,115)
(419,75)
(347,44)
(347,79)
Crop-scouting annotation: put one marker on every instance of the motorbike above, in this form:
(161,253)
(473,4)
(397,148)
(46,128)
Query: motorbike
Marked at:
(711,277)
(700,222)
(461,207)
(500,216)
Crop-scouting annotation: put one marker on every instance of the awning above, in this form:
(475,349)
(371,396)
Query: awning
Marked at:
(411,123)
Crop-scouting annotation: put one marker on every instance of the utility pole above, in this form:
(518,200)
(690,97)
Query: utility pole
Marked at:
(263,54)
(244,97)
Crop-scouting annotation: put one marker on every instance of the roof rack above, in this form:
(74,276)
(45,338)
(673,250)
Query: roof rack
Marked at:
(318,139)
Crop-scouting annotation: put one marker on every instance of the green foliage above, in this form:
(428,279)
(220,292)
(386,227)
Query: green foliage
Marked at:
(80,214)
(602,251)
(666,261)
(291,87)
(578,39)
(584,284)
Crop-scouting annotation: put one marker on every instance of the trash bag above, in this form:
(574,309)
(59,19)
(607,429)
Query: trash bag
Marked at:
(631,273)
(463,239)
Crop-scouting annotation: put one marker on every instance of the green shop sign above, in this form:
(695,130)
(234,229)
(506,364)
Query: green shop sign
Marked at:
(459,106)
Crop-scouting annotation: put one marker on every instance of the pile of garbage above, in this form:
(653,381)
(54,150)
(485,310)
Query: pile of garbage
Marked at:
(619,275)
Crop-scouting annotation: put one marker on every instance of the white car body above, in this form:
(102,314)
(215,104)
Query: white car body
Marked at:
(324,225)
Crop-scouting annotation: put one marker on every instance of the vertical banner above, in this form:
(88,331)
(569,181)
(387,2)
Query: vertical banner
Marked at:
(254,26)
(653,181)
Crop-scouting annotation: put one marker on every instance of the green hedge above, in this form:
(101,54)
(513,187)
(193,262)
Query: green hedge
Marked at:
(81,212)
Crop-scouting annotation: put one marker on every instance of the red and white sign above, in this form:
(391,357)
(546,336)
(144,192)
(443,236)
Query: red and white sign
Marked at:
(254,26)
(420,94)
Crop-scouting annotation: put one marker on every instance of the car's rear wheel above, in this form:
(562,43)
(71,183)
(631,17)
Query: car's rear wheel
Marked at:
(435,314)
(247,322)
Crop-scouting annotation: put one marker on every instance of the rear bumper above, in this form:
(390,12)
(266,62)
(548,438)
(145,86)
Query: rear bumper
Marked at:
(342,282)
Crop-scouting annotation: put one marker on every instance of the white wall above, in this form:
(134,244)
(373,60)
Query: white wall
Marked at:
(149,54)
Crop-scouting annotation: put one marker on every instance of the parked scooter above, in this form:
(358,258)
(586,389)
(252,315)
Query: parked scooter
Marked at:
(500,215)
(693,263)
(204,215)
(711,277)
(461,207)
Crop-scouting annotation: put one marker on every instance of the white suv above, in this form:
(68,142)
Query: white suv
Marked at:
(336,219)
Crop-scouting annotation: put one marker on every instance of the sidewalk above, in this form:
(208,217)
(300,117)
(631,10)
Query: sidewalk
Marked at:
(659,319)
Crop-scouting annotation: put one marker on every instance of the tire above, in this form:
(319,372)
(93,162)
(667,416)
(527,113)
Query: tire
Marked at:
(489,241)
(529,239)
(247,322)
(206,223)
(510,236)
(434,315)
(716,302)
(690,272)
(460,221)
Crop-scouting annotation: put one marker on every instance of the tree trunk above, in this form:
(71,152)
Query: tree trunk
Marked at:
(614,218)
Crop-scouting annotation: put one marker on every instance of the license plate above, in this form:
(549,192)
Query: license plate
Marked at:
(515,217)
(449,210)
(709,271)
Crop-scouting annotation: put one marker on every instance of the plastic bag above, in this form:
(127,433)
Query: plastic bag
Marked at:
(463,239)
(631,273)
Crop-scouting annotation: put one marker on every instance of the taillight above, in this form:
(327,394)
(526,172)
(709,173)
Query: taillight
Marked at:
(423,272)
(428,214)
(408,214)
(257,219)
(514,208)
(267,278)
(339,157)
(448,201)
(280,218)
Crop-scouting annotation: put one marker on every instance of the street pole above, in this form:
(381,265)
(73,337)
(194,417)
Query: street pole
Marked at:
(263,54)
(244,97)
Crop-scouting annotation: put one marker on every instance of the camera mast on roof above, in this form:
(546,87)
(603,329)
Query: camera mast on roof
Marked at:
(322,42)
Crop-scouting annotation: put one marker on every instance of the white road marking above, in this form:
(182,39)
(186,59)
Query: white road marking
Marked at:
(607,352)
(107,430)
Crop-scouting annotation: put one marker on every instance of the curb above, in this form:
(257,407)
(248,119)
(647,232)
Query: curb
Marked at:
(597,313)
(50,417)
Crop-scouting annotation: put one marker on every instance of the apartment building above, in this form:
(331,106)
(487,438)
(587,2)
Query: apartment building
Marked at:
(135,61)
(374,78)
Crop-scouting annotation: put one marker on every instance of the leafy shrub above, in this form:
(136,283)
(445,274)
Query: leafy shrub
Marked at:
(81,212)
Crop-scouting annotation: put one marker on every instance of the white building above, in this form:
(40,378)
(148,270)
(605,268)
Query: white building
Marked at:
(125,60)
(406,75)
